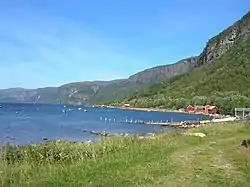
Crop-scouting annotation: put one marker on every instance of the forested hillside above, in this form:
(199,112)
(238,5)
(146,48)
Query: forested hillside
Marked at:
(224,81)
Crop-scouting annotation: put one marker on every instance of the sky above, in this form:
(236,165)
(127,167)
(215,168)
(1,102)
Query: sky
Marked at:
(50,43)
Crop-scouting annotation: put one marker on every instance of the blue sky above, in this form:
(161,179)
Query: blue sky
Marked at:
(49,43)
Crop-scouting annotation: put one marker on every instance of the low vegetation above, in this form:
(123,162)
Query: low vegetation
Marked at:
(169,159)
(225,82)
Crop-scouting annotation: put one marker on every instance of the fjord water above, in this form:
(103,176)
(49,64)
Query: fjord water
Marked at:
(30,123)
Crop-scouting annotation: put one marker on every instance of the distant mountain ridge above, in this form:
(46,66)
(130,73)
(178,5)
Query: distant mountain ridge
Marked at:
(96,91)
(103,91)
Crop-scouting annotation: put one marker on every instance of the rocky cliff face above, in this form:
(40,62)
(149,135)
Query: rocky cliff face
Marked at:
(161,72)
(221,43)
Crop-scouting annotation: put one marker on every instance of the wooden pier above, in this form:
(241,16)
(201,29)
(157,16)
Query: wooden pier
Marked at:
(183,124)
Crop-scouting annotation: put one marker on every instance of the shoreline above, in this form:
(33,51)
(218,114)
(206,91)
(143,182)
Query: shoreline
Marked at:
(169,110)
(178,128)
(192,130)
(219,116)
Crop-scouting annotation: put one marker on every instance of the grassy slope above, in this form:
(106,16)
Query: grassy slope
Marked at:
(224,82)
(169,160)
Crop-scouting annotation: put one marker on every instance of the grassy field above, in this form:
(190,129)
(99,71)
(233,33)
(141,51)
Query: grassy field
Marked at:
(169,159)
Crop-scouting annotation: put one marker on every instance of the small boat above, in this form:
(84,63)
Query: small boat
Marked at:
(84,110)
(79,108)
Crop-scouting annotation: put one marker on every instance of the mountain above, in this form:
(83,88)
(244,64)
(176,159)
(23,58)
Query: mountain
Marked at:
(211,76)
(221,43)
(96,91)
(221,76)
(160,72)
(27,95)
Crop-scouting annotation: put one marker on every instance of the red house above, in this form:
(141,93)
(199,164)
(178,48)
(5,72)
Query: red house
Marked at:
(212,110)
(189,108)
(202,109)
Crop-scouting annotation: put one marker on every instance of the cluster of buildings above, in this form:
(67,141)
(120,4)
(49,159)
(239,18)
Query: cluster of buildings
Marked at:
(207,109)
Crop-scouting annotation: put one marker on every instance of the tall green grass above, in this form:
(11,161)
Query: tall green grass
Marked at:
(169,159)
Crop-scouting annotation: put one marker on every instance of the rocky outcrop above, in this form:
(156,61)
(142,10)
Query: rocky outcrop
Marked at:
(161,72)
(221,43)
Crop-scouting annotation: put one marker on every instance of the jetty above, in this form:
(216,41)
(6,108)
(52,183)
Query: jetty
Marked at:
(171,123)
(183,124)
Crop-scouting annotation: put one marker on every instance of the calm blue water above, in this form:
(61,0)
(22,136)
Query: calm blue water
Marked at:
(30,123)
